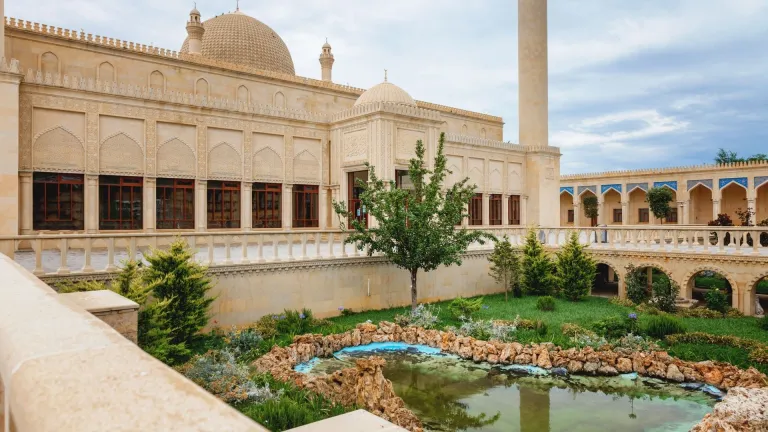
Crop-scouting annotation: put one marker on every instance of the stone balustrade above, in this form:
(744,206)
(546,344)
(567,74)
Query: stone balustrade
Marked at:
(63,254)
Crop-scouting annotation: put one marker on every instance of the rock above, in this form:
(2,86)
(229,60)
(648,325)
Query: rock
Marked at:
(741,410)
(526,369)
(624,365)
(517,347)
(607,370)
(713,376)
(559,371)
(543,360)
(465,352)
(506,354)
(657,370)
(712,391)
(523,359)
(692,386)
(366,327)
(674,374)
(355,337)
(575,366)
(493,359)
(591,367)
(629,376)
(690,374)
(387,327)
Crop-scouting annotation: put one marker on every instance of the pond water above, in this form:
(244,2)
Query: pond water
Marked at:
(451,394)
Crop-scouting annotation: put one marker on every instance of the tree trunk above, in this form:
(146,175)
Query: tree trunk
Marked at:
(506,288)
(413,289)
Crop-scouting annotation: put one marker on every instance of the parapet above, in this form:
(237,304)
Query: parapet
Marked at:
(667,170)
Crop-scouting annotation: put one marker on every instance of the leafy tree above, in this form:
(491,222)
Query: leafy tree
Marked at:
(179,281)
(759,157)
(505,267)
(727,157)
(538,269)
(590,206)
(658,200)
(415,228)
(637,289)
(576,270)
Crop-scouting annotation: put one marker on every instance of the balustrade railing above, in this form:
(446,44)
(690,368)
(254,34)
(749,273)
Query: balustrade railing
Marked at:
(61,254)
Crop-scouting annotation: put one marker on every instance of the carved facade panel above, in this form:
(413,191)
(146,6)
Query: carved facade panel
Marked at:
(495,176)
(267,165)
(454,164)
(202,150)
(150,141)
(514,177)
(355,146)
(306,168)
(175,158)
(92,137)
(121,154)
(476,175)
(406,143)
(224,162)
(25,132)
(59,150)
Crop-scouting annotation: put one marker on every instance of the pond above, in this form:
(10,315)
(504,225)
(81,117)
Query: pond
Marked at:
(451,394)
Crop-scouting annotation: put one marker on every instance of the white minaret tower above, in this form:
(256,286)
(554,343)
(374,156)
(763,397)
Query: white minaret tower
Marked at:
(195,32)
(326,62)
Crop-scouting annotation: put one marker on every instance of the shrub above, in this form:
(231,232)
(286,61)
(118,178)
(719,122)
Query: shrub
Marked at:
(576,269)
(505,267)
(538,269)
(764,322)
(541,328)
(661,326)
(612,327)
(717,300)
(292,322)
(618,301)
(698,313)
(633,342)
(423,316)
(478,329)
(546,303)
(467,308)
(176,278)
(573,330)
(589,340)
(637,292)
(346,311)
(665,293)
(242,342)
(503,332)
(649,309)
(219,374)
(266,326)
(591,206)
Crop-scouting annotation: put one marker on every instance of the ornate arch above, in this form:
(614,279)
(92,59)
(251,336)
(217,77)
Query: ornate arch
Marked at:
(202,87)
(657,266)
(306,166)
(278,99)
(619,270)
(752,284)
(267,163)
(176,158)
(224,161)
(120,153)
(106,68)
(59,149)
(706,267)
(49,63)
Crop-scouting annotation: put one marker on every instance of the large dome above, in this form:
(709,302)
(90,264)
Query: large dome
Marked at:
(385,92)
(240,39)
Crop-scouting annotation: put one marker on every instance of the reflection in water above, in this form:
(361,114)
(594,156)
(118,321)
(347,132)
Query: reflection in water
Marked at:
(450,394)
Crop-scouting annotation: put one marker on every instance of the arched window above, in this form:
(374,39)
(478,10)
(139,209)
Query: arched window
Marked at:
(279,100)
(464,129)
(49,63)
(106,72)
(242,94)
(157,81)
(201,88)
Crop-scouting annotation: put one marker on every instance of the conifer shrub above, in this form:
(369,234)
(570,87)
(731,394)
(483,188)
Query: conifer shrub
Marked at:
(505,267)
(661,326)
(538,269)
(576,270)
(467,308)
(717,300)
(545,303)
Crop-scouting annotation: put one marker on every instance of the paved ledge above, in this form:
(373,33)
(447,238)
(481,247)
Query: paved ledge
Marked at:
(97,302)
(356,421)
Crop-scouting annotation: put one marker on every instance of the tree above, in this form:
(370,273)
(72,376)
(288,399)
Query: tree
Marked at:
(590,207)
(727,157)
(637,288)
(174,277)
(416,228)
(658,200)
(576,270)
(759,157)
(538,269)
(505,267)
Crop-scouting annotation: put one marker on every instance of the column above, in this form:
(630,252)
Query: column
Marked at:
(334,222)
(287,206)
(150,204)
(323,208)
(611,274)
(686,212)
(246,206)
(715,208)
(576,214)
(524,210)
(9,147)
(681,211)
(505,210)
(601,211)
(91,205)
(201,205)
(486,209)
(26,203)
(625,212)
(751,206)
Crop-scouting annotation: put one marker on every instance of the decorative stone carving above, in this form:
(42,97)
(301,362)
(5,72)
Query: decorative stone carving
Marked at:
(121,154)
(224,162)
(356,145)
(267,164)
(59,150)
(150,132)
(175,158)
(306,167)
(406,143)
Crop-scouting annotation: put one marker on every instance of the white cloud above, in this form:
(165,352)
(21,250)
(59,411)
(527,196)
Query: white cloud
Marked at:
(587,132)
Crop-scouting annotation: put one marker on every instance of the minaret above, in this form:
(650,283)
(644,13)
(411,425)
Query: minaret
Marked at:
(195,32)
(542,163)
(326,61)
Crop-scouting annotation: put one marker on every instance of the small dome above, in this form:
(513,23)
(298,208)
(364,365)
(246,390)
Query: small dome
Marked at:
(326,44)
(194,11)
(385,92)
(243,40)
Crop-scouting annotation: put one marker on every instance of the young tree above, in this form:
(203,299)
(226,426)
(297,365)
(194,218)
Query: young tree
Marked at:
(538,269)
(415,229)
(505,267)
(576,270)
(174,277)
(590,207)
(727,157)
(637,288)
(658,200)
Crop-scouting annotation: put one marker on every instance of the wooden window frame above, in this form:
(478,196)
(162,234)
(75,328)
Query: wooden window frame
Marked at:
(571,217)
(643,215)
(673,216)
(223,193)
(514,210)
(476,210)
(119,186)
(494,209)
(358,212)
(273,217)
(299,216)
(173,190)
(43,182)
(618,216)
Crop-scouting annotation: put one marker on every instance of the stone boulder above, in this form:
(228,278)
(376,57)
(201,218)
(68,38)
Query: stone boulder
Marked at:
(740,410)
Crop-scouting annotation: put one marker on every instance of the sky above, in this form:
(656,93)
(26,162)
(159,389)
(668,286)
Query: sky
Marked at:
(632,84)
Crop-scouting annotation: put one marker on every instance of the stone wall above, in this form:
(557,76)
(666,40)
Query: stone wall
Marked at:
(246,293)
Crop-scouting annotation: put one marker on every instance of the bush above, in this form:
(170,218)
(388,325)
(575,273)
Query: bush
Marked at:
(573,330)
(576,270)
(633,342)
(292,322)
(478,329)
(422,316)
(219,374)
(467,308)
(637,291)
(764,322)
(717,300)
(243,342)
(541,328)
(665,293)
(546,303)
(661,326)
(618,301)
(612,327)
(538,269)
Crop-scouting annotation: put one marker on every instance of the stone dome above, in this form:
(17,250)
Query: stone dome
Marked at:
(240,39)
(385,92)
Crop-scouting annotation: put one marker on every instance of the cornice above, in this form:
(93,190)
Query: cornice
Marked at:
(664,171)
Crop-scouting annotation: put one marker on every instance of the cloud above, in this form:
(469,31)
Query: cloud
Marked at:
(636,125)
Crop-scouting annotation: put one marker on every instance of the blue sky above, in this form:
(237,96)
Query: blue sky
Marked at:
(633,84)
